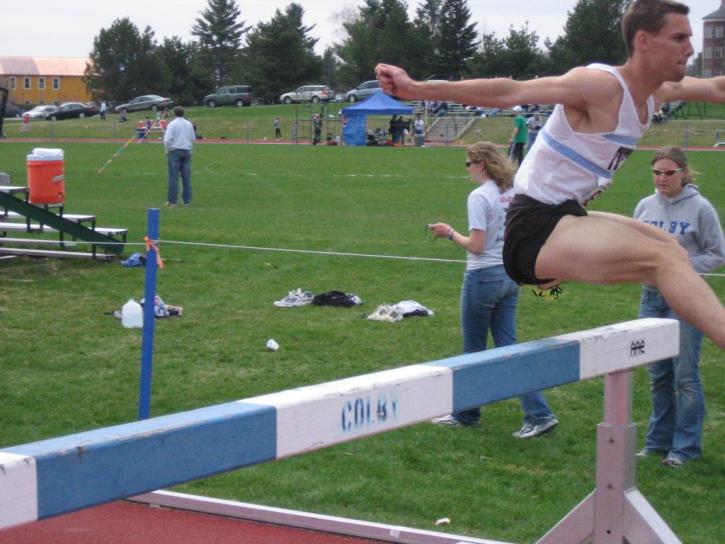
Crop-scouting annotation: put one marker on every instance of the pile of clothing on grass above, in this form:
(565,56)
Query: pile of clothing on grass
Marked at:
(390,313)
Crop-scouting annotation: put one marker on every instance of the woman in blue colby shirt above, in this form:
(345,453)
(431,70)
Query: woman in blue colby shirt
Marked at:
(489,296)
(678,402)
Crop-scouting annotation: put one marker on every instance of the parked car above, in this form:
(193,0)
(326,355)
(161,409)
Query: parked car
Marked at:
(41,112)
(363,91)
(151,102)
(237,95)
(12,110)
(308,93)
(73,110)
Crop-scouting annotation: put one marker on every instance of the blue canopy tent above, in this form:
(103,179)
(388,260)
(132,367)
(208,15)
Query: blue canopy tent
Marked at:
(380,103)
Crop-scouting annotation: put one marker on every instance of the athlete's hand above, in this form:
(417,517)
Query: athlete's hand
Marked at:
(395,81)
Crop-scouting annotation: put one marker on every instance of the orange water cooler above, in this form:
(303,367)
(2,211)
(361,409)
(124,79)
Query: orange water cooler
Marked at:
(46,176)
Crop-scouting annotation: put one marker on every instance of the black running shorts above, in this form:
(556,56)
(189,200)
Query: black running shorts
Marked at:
(528,225)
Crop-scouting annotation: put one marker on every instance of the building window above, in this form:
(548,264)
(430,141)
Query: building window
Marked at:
(13,83)
(27,83)
(41,83)
(718,31)
(56,83)
(717,52)
(708,31)
(707,53)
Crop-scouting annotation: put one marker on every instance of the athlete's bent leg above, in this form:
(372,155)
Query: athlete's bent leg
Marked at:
(605,250)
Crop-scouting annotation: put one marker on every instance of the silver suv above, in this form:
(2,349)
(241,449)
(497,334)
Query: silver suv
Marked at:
(308,93)
(238,95)
(363,91)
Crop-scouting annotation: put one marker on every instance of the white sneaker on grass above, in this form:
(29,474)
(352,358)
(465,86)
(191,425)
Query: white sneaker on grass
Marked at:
(446,421)
(298,297)
(530,430)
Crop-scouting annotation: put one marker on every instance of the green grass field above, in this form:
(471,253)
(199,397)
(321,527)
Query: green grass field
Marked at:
(67,366)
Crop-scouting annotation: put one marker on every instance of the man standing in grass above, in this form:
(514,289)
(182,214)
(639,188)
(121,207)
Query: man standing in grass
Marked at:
(601,113)
(519,137)
(178,141)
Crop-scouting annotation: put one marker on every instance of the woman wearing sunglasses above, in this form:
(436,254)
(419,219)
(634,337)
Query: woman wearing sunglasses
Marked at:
(489,296)
(677,207)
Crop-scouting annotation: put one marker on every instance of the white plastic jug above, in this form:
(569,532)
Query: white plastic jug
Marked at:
(132,315)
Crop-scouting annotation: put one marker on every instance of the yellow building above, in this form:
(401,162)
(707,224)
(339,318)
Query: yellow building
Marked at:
(44,80)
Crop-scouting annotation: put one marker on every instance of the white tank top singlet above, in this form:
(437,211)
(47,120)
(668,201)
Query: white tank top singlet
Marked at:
(568,165)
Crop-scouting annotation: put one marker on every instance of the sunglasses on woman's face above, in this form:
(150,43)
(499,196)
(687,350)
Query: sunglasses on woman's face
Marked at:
(667,173)
(469,163)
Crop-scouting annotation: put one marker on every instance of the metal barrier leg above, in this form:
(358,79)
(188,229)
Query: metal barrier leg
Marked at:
(616,512)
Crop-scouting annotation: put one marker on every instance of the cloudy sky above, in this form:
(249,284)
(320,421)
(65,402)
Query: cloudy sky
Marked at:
(66,28)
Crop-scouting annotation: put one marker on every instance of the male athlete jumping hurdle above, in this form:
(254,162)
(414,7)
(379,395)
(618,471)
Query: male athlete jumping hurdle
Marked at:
(601,113)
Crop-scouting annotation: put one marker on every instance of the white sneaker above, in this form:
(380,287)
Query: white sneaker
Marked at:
(530,431)
(298,297)
(447,421)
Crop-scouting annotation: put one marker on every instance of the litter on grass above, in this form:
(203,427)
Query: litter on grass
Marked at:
(301,297)
(337,298)
(134,261)
(392,313)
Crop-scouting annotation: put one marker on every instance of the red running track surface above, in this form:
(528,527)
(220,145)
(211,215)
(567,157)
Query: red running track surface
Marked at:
(131,523)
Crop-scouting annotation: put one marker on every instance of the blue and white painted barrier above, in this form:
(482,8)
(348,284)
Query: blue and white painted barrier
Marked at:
(60,475)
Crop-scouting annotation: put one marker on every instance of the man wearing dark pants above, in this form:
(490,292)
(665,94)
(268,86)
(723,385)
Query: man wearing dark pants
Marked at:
(178,141)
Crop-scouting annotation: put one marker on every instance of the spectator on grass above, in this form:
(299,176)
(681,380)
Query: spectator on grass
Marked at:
(393,129)
(26,123)
(102,110)
(678,401)
(277,128)
(533,126)
(488,295)
(178,142)
(419,130)
(519,137)
(317,128)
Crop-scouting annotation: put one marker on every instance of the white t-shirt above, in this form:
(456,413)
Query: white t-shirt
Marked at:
(487,207)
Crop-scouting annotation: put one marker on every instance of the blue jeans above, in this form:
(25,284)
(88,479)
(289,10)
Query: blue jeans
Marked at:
(678,401)
(179,161)
(488,301)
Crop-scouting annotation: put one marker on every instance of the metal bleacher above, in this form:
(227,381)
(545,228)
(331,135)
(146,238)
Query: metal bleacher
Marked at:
(31,223)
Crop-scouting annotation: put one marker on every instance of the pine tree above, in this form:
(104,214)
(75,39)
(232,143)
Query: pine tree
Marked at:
(380,32)
(280,54)
(220,35)
(456,40)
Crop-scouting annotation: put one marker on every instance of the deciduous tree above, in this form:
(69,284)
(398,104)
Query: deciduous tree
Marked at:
(124,62)
(592,34)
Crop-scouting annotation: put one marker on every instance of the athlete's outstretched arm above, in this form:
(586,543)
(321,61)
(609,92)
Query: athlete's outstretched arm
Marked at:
(693,89)
(578,88)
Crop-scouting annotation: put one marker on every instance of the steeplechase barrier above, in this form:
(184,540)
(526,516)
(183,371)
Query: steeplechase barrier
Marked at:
(60,475)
